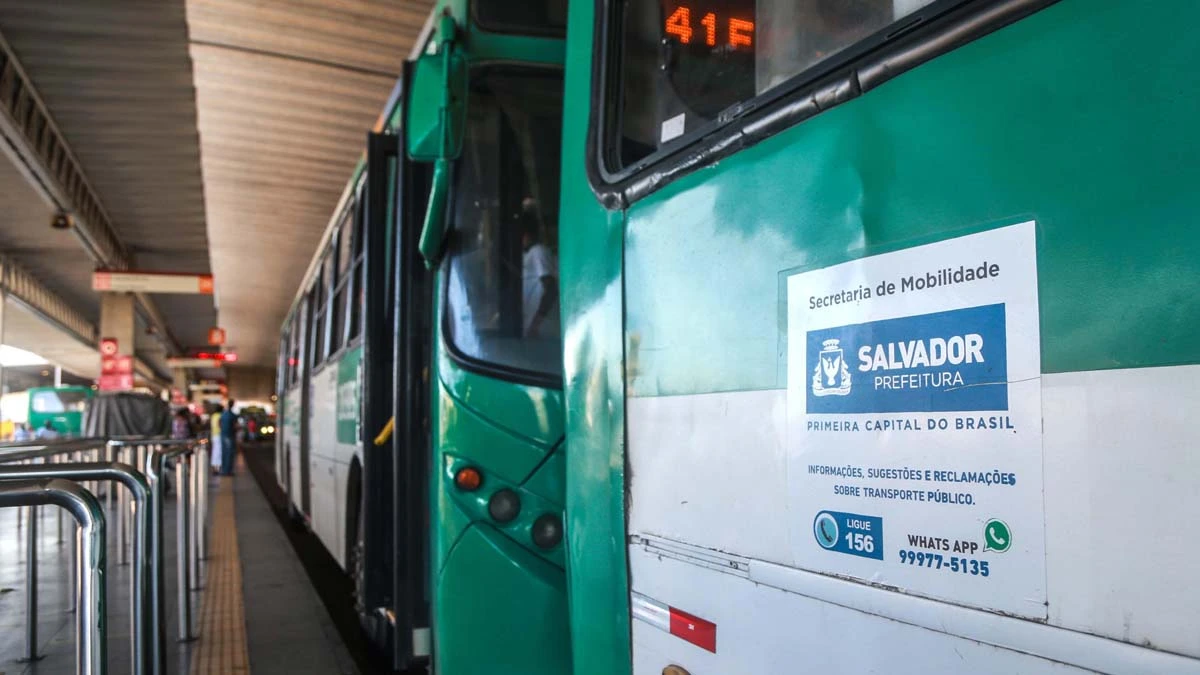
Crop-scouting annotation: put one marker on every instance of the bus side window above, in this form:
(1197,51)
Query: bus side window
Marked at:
(344,246)
(356,274)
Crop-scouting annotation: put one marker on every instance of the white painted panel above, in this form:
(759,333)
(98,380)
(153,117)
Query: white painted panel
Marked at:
(768,631)
(341,474)
(1122,479)
(321,500)
(322,445)
(1123,503)
(322,424)
(711,469)
(291,444)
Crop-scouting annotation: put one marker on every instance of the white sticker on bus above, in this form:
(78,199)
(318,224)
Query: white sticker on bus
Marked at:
(672,128)
(914,421)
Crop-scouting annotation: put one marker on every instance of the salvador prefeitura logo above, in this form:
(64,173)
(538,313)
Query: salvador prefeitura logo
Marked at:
(955,360)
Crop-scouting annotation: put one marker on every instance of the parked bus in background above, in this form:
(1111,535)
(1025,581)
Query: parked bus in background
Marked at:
(430,309)
(881,348)
(61,406)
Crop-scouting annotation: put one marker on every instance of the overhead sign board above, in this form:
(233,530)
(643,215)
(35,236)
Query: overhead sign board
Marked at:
(915,421)
(188,362)
(152,282)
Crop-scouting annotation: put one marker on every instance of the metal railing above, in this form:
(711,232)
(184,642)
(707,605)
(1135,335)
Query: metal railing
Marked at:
(137,485)
(60,460)
(90,626)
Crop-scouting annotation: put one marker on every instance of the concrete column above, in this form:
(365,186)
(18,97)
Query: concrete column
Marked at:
(117,320)
(3,302)
(179,380)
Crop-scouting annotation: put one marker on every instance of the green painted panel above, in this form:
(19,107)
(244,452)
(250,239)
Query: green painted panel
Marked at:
(1081,117)
(590,244)
(472,436)
(499,602)
(349,408)
(500,610)
(549,480)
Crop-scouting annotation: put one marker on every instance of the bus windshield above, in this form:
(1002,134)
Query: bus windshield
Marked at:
(502,290)
(58,401)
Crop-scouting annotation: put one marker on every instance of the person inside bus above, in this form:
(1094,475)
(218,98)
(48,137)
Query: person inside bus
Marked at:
(539,280)
(228,438)
(47,432)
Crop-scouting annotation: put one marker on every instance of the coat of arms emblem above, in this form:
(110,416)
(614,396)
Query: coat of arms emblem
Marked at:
(831,377)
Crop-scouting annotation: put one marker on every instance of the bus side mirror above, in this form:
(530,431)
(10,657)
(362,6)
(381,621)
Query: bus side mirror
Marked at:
(437,111)
(437,100)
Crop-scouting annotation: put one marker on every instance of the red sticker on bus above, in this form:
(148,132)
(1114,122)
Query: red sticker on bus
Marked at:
(695,630)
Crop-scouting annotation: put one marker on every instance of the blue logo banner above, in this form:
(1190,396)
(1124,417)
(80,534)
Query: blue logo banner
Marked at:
(942,362)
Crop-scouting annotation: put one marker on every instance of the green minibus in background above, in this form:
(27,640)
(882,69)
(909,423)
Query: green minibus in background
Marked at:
(61,406)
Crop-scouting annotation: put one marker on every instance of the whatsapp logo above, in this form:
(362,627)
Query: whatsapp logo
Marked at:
(996,536)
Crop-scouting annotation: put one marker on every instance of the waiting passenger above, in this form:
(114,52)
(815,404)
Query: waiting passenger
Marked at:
(228,439)
(179,425)
(214,438)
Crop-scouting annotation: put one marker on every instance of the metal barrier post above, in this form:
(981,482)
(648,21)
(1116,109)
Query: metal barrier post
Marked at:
(184,553)
(31,598)
(110,455)
(59,460)
(193,494)
(142,632)
(90,629)
(154,473)
(202,498)
(122,508)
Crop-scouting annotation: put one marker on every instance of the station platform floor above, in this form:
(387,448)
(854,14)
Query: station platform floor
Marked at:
(255,610)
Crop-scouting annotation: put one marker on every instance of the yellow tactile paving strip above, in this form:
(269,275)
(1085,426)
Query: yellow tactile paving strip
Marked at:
(222,645)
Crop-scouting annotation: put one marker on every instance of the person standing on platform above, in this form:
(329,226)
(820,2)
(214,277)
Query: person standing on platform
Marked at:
(214,439)
(47,432)
(228,438)
(21,433)
(179,425)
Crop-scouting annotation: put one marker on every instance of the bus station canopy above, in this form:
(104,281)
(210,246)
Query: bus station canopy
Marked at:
(204,137)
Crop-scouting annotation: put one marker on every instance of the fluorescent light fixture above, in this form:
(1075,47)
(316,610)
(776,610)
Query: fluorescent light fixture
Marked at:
(12,357)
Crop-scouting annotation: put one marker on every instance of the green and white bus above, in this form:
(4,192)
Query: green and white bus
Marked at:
(881,328)
(874,348)
(436,316)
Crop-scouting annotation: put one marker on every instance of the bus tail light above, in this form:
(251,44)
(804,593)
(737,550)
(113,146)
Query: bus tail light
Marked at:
(468,479)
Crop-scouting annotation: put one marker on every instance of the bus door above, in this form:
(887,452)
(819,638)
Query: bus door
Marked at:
(396,358)
(412,341)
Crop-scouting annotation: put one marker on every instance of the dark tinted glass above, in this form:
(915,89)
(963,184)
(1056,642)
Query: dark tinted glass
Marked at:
(685,62)
(502,291)
(531,17)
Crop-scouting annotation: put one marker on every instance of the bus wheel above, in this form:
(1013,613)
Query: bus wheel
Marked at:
(372,624)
